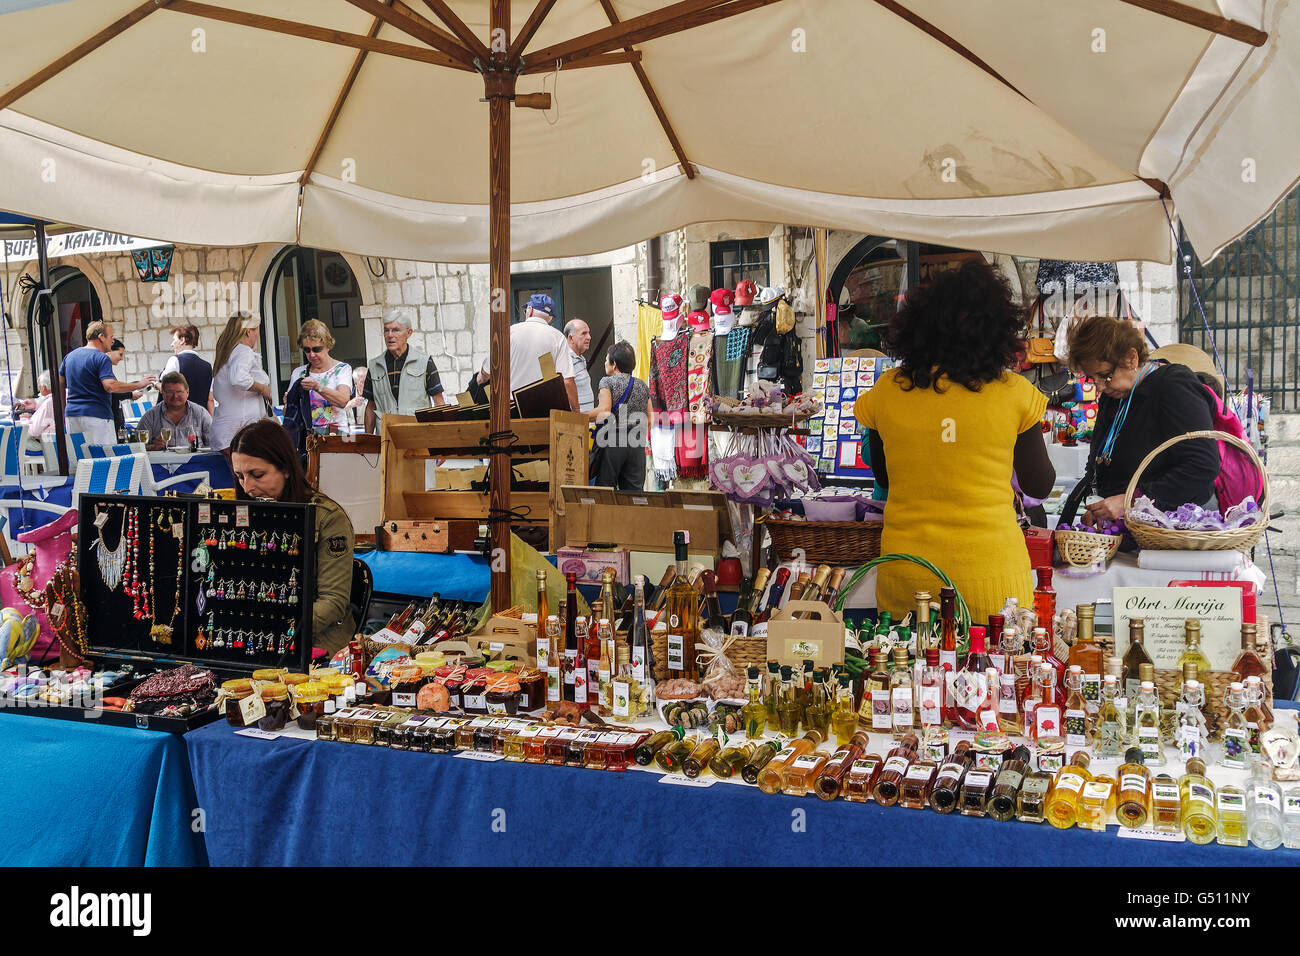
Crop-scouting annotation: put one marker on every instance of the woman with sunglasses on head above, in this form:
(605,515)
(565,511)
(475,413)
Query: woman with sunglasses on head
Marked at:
(1143,403)
(266,465)
(327,381)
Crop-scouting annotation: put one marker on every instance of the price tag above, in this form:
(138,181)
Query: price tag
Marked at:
(241,516)
(223,518)
(1146,833)
(252,708)
(254,732)
(205,513)
(480,756)
(681,780)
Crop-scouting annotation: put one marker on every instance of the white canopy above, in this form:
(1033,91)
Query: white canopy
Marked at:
(1036,127)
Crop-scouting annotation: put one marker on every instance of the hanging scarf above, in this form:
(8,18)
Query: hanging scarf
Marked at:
(668,400)
(693,439)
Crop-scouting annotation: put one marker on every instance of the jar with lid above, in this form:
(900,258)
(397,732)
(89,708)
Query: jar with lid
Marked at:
(532,689)
(293,680)
(235,692)
(274,675)
(339,686)
(311,697)
(275,698)
(406,681)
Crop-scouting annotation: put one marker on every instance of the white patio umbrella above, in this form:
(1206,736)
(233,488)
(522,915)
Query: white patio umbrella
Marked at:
(1018,126)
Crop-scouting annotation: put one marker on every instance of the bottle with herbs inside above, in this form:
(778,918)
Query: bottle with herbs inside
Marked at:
(683,616)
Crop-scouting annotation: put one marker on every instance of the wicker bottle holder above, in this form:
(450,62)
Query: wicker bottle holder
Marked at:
(1235,539)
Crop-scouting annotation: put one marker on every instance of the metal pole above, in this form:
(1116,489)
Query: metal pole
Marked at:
(52,345)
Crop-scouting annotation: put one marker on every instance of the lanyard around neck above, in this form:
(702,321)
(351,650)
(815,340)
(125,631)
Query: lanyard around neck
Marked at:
(1108,447)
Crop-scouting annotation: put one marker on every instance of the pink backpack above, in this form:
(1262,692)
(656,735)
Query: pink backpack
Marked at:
(1238,478)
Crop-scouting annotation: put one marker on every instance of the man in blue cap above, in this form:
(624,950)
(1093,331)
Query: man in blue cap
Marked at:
(532,338)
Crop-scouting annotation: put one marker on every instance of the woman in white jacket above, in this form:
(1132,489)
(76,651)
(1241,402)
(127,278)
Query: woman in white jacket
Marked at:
(239,383)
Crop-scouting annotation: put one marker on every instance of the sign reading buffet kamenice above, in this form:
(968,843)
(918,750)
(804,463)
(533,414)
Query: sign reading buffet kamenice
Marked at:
(1165,611)
(78,243)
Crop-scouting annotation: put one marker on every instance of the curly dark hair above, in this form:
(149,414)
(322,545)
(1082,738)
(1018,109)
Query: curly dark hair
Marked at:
(963,323)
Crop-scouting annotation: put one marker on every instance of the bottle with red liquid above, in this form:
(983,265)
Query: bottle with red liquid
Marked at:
(948,629)
(572,643)
(774,593)
(970,690)
(1045,600)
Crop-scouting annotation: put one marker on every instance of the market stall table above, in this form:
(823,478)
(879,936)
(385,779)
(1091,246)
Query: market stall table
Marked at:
(298,802)
(168,464)
(87,794)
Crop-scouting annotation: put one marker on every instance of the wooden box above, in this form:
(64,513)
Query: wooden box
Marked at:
(407,535)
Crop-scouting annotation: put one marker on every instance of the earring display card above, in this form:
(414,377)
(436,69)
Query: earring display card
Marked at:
(224,584)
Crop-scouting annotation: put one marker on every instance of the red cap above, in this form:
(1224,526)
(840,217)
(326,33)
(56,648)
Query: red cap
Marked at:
(745,292)
(722,298)
(699,321)
(976,639)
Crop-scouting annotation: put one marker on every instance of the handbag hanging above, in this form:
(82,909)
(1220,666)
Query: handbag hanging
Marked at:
(1040,348)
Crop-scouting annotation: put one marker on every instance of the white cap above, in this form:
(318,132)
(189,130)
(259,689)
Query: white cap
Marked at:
(1148,685)
(1076,668)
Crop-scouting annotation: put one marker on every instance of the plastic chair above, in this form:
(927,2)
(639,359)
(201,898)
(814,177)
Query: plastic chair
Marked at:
(133,411)
(80,448)
(11,440)
(120,475)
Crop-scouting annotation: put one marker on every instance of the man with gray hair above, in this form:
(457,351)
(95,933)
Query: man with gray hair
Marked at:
(579,335)
(403,380)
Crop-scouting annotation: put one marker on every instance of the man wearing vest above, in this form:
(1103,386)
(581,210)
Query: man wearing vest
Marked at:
(197,372)
(403,380)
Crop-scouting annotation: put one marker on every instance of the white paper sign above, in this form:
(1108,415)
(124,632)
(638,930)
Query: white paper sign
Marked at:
(480,755)
(1146,833)
(254,732)
(1164,612)
(681,780)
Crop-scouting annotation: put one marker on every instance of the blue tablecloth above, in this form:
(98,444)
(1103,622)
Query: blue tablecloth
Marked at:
(87,794)
(457,577)
(293,802)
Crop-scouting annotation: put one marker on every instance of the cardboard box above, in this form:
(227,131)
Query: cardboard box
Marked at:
(643,521)
(507,639)
(819,637)
(458,479)
(589,565)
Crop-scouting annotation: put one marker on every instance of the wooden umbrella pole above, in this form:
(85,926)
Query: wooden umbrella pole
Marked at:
(499,82)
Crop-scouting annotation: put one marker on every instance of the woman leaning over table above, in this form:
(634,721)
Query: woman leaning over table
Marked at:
(239,383)
(948,427)
(327,381)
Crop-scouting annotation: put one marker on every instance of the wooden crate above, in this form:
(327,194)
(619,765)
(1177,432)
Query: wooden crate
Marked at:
(423,536)
(561,439)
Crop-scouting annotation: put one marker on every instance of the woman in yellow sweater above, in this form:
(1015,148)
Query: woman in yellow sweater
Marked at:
(948,427)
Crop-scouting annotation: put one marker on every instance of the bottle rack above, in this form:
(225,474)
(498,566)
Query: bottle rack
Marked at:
(113,627)
(560,439)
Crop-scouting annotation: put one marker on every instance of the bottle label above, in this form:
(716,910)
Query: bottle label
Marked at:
(593,674)
(895,765)
(1090,690)
(543,653)
(1165,791)
(1096,790)
(806,761)
(1047,720)
(1076,728)
(1235,747)
(580,686)
(999,662)
(978,778)
(784,754)
(740,628)
(1070,781)
(570,665)
(676,652)
(969,690)
(638,664)
(1007,703)
(622,693)
(1036,785)
(918,773)
(838,757)
(1231,801)
(1291,804)
(902,706)
(403,700)
(552,683)
(1200,793)
(1252,734)
(882,718)
(864,766)
(948,660)
(1267,797)
(759,630)
(1132,781)
(1189,740)
(931,709)
(1010,778)
(1149,741)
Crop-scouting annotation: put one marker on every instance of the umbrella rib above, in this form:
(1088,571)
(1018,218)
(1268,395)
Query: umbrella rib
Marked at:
(925,26)
(648,88)
(667,19)
(530,29)
(448,16)
(337,109)
(1232,29)
(602,59)
(383,11)
(76,53)
(306,31)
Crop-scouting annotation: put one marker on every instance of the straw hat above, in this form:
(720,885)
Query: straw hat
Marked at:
(1181,353)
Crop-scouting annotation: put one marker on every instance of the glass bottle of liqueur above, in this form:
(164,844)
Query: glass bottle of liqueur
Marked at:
(606,665)
(1047,712)
(800,585)
(1044,649)
(1135,657)
(947,626)
(915,791)
(605,606)
(1031,801)
(832,591)
(1166,805)
(1146,725)
(1291,819)
(801,772)
(773,601)
(772,693)
(1076,709)
(1231,807)
(1133,805)
(788,711)
(698,761)
(1063,801)
(639,638)
(554,669)
(816,587)
(683,615)
(759,759)
(670,757)
(753,714)
(742,622)
(771,777)
(976,787)
(844,718)
(1197,800)
(875,713)
(1248,662)
(970,690)
(583,692)
(830,779)
(1096,803)
(571,638)
(900,695)
(1045,601)
(626,695)
(821,705)
(860,783)
(889,784)
(1088,656)
(544,645)
(1115,669)
(1006,786)
(1258,717)
(644,752)
(993,637)
(714,619)
(1110,733)
(930,707)
(1264,810)
(1236,737)
(947,782)
(1192,647)
(1191,736)
(732,760)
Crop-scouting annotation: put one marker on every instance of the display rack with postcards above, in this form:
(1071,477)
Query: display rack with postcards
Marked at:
(222,586)
(835,436)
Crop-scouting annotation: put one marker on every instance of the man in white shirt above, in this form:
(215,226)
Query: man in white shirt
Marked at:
(579,335)
(529,340)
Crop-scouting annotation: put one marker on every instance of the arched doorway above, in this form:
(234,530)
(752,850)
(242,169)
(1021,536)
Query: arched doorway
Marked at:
(76,305)
(303,284)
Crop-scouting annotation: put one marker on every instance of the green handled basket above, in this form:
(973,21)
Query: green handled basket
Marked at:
(963,611)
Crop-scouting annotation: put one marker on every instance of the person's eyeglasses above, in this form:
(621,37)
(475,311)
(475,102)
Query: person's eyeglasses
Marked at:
(313,349)
(1105,379)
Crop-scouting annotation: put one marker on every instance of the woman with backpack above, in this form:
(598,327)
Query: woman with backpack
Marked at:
(1144,402)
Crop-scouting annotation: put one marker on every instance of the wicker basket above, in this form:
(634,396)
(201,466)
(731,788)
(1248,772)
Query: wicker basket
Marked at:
(845,543)
(1236,539)
(1083,549)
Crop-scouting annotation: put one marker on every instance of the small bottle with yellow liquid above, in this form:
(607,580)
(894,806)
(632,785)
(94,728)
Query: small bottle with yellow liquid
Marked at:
(1063,801)
(1197,799)
(1097,803)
